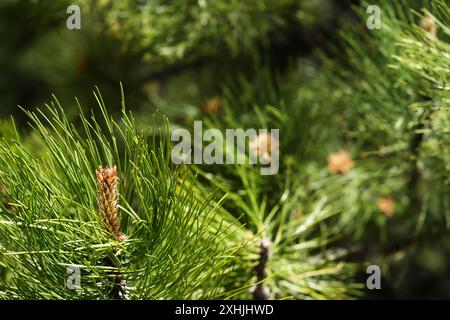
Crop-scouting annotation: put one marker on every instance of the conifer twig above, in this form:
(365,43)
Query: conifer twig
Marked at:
(107,182)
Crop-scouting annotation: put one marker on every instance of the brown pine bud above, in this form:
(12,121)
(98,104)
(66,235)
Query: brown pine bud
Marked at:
(386,205)
(429,25)
(263,144)
(107,182)
(212,106)
(340,162)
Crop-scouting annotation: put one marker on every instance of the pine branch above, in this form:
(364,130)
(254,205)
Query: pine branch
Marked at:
(107,182)
(65,217)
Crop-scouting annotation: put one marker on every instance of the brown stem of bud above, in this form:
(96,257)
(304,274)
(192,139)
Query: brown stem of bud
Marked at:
(261,291)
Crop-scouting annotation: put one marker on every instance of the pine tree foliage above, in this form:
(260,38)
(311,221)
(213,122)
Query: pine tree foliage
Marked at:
(170,246)
(288,221)
(387,111)
(174,30)
(394,112)
(364,160)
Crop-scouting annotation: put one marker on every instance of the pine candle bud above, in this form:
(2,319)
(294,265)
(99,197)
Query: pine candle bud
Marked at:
(212,106)
(340,162)
(261,145)
(386,205)
(429,25)
(107,183)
